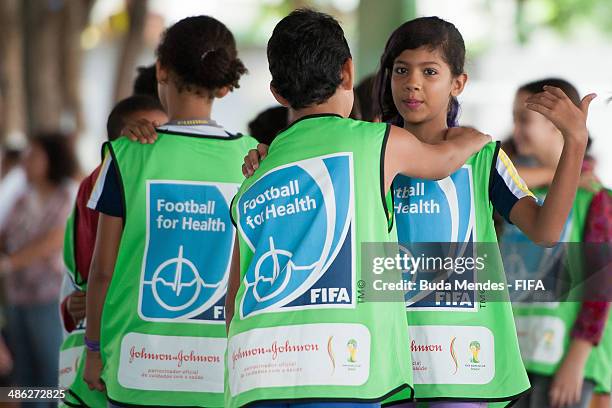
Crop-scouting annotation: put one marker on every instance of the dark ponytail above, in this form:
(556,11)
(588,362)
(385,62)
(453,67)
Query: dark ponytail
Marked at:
(201,53)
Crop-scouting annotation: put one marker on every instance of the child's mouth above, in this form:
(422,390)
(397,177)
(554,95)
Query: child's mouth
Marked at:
(412,104)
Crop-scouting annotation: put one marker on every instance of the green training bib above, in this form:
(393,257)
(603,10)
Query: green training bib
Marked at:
(544,328)
(299,331)
(464,346)
(163,325)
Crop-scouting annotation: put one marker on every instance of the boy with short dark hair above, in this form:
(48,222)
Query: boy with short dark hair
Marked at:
(297,335)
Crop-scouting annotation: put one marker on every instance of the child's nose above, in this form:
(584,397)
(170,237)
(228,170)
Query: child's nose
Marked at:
(413,82)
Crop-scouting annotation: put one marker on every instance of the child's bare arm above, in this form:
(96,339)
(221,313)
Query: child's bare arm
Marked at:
(141,131)
(407,155)
(100,275)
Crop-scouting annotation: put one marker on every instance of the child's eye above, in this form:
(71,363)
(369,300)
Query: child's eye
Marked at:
(400,70)
(430,71)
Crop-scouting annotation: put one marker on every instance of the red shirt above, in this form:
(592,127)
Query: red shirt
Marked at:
(593,315)
(86,226)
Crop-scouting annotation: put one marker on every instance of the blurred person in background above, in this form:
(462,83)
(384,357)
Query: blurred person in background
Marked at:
(145,82)
(586,341)
(364,107)
(30,261)
(269,123)
(12,181)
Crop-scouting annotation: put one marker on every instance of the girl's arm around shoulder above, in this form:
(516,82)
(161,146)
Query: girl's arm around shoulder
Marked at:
(407,155)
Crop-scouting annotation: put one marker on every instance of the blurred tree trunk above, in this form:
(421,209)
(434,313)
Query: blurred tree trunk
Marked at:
(42,26)
(40,64)
(377,19)
(131,47)
(12,88)
(75,17)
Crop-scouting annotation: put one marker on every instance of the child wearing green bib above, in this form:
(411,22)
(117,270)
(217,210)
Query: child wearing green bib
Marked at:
(155,331)
(420,77)
(566,345)
(297,334)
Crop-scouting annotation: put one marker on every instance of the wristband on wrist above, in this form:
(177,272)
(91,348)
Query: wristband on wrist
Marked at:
(92,345)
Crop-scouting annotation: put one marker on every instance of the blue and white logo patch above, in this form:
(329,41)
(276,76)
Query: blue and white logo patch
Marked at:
(188,250)
(439,211)
(297,220)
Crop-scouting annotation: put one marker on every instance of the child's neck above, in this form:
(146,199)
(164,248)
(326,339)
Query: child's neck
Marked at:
(430,132)
(187,106)
(332,106)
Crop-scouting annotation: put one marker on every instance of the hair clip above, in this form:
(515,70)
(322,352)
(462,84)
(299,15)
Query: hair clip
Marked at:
(205,53)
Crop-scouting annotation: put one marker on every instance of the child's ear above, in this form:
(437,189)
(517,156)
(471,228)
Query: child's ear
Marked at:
(459,84)
(279,98)
(221,92)
(161,73)
(348,74)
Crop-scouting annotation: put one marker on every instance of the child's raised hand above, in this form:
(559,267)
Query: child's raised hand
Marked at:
(253,158)
(141,131)
(555,105)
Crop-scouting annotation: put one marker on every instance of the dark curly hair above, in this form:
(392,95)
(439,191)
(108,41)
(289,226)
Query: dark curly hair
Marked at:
(431,32)
(305,54)
(201,53)
(62,161)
